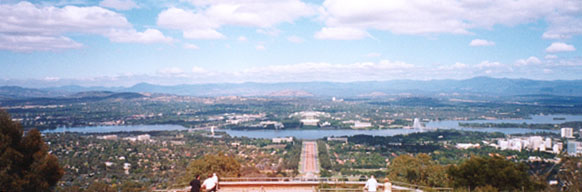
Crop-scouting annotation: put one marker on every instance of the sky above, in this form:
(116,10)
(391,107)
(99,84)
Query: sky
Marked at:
(124,42)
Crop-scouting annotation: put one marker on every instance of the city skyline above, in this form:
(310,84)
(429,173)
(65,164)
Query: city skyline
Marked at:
(123,42)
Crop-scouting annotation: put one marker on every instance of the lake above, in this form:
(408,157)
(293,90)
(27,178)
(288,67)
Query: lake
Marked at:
(109,129)
(317,133)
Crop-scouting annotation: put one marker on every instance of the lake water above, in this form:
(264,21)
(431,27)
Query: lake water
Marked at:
(109,129)
(316,133)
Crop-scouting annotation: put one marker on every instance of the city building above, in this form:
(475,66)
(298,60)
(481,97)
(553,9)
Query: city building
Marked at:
(342,139)
(126,167)
(108,137)
(574,148)
(416,124)
(534,143)
(144,137)
(361,125)
(548,143)
(557,148)
(282,139)
(310,122)
(567,132)
(467,145)
(274,124)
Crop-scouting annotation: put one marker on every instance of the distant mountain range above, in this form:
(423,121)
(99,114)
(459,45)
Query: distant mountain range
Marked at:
(474,86)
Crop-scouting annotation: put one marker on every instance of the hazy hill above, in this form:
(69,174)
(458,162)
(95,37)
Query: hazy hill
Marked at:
(474,86)
(478,85)
(7,92)
(74,98)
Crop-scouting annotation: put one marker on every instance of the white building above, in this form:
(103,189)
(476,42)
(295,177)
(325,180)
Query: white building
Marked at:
(557,148)
(342,139)
(126,167)
(467,145)
(310,122)
(108,137)
(516,144)
(361,125)
(574,148)
(282,139)
(536,143)
(567,132)
(277,125)
(144,137)
(548,143)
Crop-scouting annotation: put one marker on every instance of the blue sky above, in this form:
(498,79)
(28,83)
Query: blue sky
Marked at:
(123,42)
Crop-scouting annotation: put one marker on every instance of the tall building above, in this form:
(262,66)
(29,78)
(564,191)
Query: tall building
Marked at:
(416,124)
(567,132)
(557,148)
(536,143)
(574,148)
(548,143)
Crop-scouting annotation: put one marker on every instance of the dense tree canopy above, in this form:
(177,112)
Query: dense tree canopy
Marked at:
(496,171)
(25,164)
(221,164)
(570,174)
(419,169)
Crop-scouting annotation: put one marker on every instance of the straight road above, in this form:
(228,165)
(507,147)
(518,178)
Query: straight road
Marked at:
(309,165)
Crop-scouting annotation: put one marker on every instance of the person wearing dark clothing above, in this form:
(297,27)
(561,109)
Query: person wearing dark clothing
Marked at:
(195,183)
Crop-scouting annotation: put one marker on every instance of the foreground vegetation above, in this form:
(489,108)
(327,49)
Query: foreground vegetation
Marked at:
(25,164)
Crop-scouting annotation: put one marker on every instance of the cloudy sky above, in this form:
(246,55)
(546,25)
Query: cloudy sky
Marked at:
(123,42)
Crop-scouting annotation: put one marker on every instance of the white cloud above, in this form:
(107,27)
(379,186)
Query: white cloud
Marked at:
(211,15)
(171,71)
(193,25)
(451,16)
(118,4)
(202,34)
(242,38)
(28,18)
(295,39)
(566,21)
(190,46)
(455,66)
(551,57)
(132,36)
(260,47)
(528,61)
(488,64)
(51,78)
(560,47)
(46,25)
(481,42)
(29,43)
(340,33)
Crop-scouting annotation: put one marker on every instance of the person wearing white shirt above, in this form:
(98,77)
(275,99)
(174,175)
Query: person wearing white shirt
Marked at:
(215,179)
(387,186)
(209,184)
(371,184)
